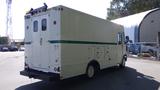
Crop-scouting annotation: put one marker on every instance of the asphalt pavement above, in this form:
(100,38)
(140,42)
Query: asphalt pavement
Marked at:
(139,74)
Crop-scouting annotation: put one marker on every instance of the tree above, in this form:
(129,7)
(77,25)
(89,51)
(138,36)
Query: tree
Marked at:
(121,8)
(3,40)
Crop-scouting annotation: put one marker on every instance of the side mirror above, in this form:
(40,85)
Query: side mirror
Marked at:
(130,41)
(127,39)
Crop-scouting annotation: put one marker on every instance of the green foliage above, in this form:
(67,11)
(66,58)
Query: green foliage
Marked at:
(3,40)
(121,8)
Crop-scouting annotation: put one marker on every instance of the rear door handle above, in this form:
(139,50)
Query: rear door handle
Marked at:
(41,41)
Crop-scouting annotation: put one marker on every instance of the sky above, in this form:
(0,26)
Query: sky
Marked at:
(96,8)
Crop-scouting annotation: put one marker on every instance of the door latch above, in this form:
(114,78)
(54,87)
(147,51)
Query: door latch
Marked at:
(41,41)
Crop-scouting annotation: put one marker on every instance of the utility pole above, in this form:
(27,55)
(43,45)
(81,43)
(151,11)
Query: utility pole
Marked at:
(9,21)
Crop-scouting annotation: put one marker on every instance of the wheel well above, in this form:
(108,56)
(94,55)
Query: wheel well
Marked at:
(95,64)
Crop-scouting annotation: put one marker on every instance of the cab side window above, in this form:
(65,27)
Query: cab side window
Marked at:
(44,24)
(120,38)
(35,26)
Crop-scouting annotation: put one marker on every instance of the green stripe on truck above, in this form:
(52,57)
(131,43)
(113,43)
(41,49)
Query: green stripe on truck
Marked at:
(27,42)
(80,42)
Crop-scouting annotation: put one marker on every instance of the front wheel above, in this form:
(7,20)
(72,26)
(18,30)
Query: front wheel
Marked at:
(123,63)
(90,72)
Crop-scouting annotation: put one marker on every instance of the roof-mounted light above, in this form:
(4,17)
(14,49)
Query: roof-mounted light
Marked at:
(38,10)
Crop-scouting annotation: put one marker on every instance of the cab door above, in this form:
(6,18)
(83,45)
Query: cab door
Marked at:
(120,46)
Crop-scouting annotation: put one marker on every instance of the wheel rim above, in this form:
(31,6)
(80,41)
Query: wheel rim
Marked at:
(90,71)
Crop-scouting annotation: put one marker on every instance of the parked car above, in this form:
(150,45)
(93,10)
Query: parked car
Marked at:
(134,48)
(149,48)
(13,48)
(4,49)
(143,47)
(21,48)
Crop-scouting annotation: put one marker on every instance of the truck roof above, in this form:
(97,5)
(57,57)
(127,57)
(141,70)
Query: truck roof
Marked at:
(43,10)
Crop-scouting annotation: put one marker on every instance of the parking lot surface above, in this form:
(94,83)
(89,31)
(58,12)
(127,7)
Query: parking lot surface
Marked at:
(139,74)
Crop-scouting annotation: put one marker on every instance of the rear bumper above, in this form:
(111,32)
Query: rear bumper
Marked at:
(40,75)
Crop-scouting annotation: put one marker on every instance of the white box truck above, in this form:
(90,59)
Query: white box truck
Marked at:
(61,43)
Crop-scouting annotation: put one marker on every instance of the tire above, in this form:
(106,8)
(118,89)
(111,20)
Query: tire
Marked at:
(91,70)
(123,63)
(151,52)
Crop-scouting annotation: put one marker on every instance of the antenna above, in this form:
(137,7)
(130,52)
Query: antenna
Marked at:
(9,20)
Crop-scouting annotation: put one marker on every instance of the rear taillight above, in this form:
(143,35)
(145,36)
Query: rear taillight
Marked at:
(57,69)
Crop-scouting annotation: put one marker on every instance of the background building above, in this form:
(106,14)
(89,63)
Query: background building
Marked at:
(143,30)
(141,27)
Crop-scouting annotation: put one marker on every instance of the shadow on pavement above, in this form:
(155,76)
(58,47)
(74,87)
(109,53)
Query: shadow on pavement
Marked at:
(109,79)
